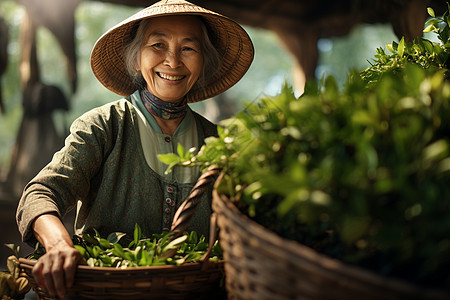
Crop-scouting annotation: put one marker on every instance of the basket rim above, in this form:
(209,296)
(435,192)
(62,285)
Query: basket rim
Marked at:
(28,263)
(321,263)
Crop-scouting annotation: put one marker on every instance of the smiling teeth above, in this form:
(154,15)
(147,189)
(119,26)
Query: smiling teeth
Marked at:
(170,77)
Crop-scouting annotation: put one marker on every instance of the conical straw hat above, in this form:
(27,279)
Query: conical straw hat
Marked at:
(230,39)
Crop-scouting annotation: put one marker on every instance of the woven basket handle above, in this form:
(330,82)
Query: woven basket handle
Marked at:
(184,213)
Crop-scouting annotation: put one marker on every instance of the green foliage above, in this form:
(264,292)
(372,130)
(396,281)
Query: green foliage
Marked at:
(154,251)
(173,159)
(360,174)
(429,55)
(12,286)
(15,249)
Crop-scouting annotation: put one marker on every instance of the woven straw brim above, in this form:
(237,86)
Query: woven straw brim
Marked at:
(230,39)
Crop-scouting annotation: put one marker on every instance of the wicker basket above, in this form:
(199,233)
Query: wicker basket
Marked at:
(261,265)
(200,280)
(188,281)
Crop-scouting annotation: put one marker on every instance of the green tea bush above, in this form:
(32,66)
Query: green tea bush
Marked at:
(422,52)
(361,174)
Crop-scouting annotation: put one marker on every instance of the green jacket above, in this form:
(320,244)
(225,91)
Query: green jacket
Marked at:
(102,165)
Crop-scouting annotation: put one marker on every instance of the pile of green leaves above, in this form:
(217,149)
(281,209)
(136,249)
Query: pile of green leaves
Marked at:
(361,174)
(154,251)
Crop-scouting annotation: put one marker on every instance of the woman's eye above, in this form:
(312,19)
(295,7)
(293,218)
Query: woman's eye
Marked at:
(157,45)
(189,49)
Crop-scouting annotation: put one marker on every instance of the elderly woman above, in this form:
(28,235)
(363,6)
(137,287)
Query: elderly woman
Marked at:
(165,56)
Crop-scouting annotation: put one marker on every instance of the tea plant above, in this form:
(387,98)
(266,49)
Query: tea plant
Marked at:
(429,55)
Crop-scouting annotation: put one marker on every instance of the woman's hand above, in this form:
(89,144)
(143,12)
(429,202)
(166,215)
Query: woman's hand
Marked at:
(55,271)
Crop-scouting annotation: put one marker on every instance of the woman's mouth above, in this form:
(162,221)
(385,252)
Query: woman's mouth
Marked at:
(170,77)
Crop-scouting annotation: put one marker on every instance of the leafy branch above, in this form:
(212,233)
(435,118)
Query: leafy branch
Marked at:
(428,55)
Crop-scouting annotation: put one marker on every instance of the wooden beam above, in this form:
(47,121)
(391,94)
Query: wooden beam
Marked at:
(28,64)
(58,17)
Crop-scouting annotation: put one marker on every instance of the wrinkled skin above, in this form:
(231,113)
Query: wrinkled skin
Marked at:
(55,271)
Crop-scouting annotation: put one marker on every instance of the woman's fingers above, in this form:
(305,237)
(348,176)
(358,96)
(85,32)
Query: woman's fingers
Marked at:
(55,271)
(37,274)
(70,266)
(57,276)
(48,273)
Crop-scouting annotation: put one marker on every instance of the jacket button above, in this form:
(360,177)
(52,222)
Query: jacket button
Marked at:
(167,139)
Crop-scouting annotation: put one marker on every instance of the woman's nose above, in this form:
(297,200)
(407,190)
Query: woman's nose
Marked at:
(172,59)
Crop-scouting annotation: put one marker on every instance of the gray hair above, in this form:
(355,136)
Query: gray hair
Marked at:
(211,57)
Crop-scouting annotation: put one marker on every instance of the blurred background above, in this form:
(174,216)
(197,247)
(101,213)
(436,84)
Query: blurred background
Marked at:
(46,80)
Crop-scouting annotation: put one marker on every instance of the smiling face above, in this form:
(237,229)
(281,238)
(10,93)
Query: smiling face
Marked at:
(170,58)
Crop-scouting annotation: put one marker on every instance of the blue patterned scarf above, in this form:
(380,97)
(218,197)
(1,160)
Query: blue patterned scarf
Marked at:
(163,109)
